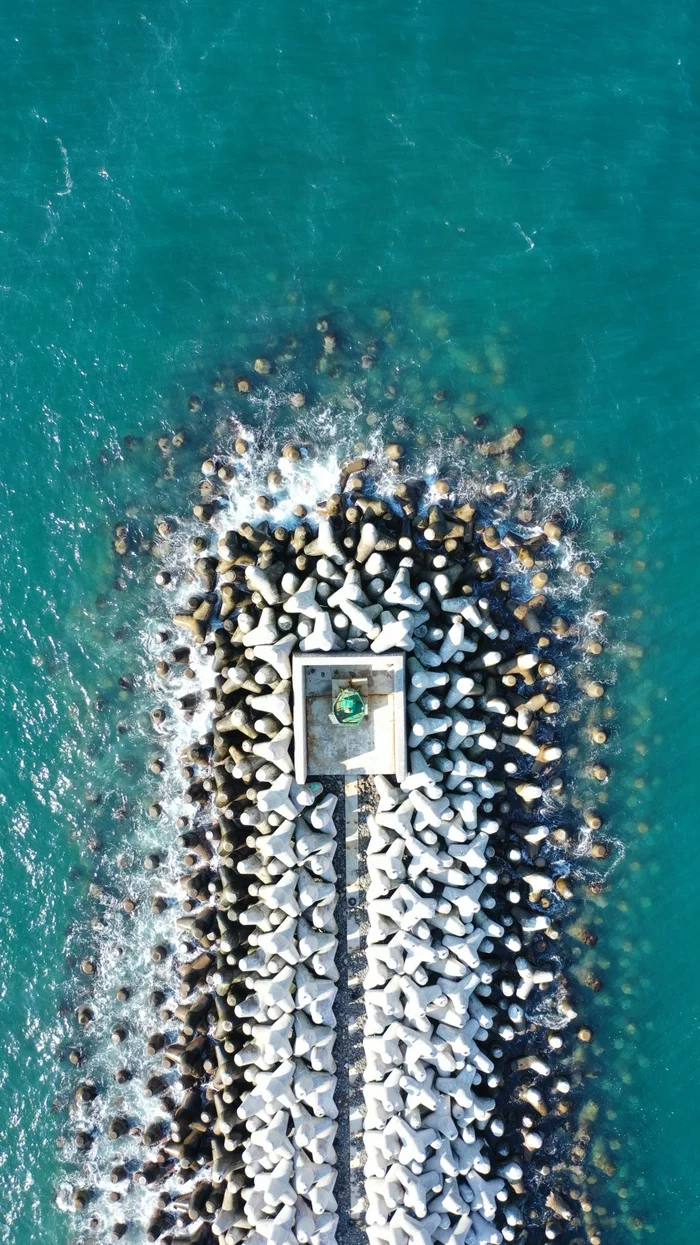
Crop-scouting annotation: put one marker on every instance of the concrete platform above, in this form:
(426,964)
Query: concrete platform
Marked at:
(377,745)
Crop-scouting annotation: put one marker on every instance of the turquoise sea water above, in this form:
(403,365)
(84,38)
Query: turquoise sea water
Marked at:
(517,185)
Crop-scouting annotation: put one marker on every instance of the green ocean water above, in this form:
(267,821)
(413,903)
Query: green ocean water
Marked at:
(516,185)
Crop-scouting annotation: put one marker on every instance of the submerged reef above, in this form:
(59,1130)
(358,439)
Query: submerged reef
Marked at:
(368,1035)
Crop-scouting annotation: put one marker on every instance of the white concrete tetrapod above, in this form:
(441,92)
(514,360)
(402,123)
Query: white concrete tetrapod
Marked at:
(265,632)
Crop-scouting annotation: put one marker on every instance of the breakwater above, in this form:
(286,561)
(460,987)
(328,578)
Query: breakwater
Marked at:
(457,1116)
(395,165)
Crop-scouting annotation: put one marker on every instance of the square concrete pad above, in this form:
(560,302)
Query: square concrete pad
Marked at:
(377,745)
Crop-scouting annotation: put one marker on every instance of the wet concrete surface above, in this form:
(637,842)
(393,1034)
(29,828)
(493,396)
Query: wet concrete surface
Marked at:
(349,1012)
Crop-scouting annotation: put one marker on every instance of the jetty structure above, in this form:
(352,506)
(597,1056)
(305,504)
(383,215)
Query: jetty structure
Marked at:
(362,1020)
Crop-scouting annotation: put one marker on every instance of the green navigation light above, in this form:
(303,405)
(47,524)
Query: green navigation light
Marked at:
(349,706)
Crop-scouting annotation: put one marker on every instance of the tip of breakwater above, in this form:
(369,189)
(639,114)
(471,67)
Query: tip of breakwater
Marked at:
(274,511)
